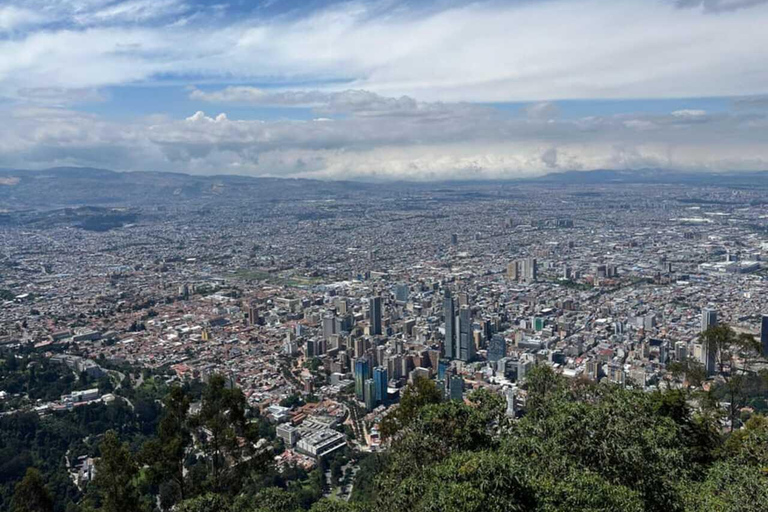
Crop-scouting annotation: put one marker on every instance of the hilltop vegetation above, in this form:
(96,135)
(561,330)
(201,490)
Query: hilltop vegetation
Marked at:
(580,447)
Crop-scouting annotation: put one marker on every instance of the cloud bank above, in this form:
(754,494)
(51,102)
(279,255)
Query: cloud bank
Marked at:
(394,89)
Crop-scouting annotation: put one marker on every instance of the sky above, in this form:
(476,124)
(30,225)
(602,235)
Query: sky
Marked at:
(384,89)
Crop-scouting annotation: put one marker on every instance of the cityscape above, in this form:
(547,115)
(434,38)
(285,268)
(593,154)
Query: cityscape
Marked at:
(322,311)
(383,256)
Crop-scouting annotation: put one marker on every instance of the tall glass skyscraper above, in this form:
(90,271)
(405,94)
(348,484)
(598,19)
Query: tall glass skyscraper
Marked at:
(375,305)
(466,343)
(497,348)
(380,380)
(449,312)
(362,369)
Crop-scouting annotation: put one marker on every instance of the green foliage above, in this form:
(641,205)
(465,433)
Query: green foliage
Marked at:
(730,487)
(206,503)
(165,454)
(331,505)
(31,495)
(419,393)
(222,416)
(115,474)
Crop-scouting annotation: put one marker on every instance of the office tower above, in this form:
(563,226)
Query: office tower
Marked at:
(253,315)
(456,387)
(360,346)
(442,369)
(454,239)
(310,352)
(341,305)
(764,335)
(531,270)
(466,343)
(592,370)
(380,354)
(512,270)
(681,351)
(329,327)
(449,312)
(361,375)
(566,272)
(523,368)
(369,394)
(395,366)
(497,348)
(375,305)
(709,319)
(380,378)
(401,293)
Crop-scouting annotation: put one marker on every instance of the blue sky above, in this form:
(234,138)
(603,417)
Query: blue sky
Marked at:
(418,89)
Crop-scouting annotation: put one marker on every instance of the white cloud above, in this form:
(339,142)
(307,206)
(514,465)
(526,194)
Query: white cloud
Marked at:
(492,51)
(14,18)
(458,143)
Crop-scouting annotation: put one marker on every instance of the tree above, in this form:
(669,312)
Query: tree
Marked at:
(737,352)
(222,415)
(206,503)
(31,495)
(417,394)
(167,451)
(115,474)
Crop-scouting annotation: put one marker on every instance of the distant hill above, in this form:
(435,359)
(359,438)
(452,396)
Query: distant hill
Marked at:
(659,176)
(74,186)
(63,187)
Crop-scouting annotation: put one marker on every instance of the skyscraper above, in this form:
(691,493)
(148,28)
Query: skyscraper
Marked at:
(530,270)
(764,335)
(375,305)
(442,369)
(369,394)
(709,319)
(456,387)
(329,327)
(449,312)
(362,367)
(512,271)
(497,348)
(380,379)
(466,343)
(401,292)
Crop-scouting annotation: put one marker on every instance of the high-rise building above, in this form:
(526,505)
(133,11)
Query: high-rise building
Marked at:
(329,327)
(442,369)
(530,270)
(253,315)
(709,319)
(764,335)
(401,292)
(681,350)
(456,387)
(362,369)
(497,348)
(512,270)
(454,239)
(466,342)
(375,306)
(369,394)
(449,312)
(380,379)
